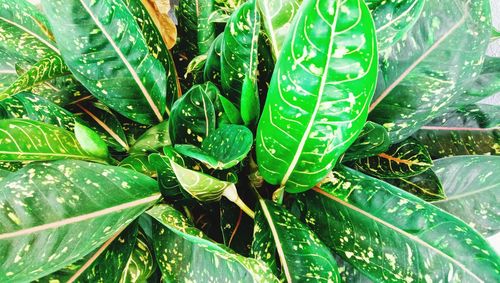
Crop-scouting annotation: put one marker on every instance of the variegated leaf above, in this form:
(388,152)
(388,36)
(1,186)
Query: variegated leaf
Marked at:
(127,77)
(189,255)
(141,264)
(211,71)
(405,159)
(425,185)
(394,236)
(153,139)
(303,257)
(372,140)
(79,206)
(139,163)
(8,72)
(472,187)
(319,94)
(167,181)
(427,70)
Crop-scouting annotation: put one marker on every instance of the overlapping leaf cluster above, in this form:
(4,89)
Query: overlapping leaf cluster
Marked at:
(248,141)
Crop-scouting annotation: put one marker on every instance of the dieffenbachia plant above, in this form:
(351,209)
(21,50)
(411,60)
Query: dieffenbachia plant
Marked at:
(248,141)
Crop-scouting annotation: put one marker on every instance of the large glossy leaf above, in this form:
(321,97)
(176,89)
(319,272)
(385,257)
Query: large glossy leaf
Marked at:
(140,265)
(303,257)
(194,115)
(54,213)
(239,51)
(277,18)
(319,94)
(392,235)
(195,31)
(46,69)
(472,187)
(474,129)
(139,163)
(426,71)
(425,185)
(126,77)
(372,140)
(32,107)
(223,149)
(153,139)
(405,159)
(157,47)
(393,18)
(26,140)
(186,254)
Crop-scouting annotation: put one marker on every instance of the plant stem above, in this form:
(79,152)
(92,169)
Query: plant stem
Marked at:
(245,208)
(232,194)
(278,195)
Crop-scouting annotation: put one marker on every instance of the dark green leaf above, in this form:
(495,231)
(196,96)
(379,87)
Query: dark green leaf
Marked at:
(26,140)
(372,140)
(232,113)
(239,50)
(153,139)
(186,254)
(169,185)
(474,129)
(472,187)
(318,98)
(303,257)
(212,65)
(126,77)
(425,185)
(139,163)
(392,235)
(222,149)
(55,213)
(426,71)
(405,159)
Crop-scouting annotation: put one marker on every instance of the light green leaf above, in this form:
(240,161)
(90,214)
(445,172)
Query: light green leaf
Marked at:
(91,142)
(372,140)
(153,139)
(26,140)
(140,265)
(223,149)
(71,207)
(250,104)
(126,77)
(392,235)
(188,255)
(232,113)
(239,50)
(8,72)
(426,71)
(3,174)
(303,257)
(472,186)
(318,98)
(405,159)
(277,17)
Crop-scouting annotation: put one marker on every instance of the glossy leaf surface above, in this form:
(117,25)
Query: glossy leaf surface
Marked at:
(139,163)
(405,159)
(91,142)
(126,77)
(153,139)
(303,257)
(37,238)
(198,258)
(426,71)
(372,140)
(168,182)
(355,215)
(319,94)
(472,186)
(140,265)
(26,140)
(425,185)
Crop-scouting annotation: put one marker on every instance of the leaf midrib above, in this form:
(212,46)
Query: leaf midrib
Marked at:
(455,197)
(396,229)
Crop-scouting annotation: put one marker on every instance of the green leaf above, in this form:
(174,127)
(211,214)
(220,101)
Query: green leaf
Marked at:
(318,98)
(194,115)
(25,140)
(372,140)
(188,255)
(250,104)
(157,48)
(472,186)
(168,182)
(213,65)
(425,185)
(239,50)
(91,142)
(349,273)
(426,71)
(44,70)
(277,18)
(394,18)
(38,238)
(126,77)
(140,265)
(8,72)
(196,33)
(28,106)
(200,186)
(102,120)
(139,163)
(232,113)
(223,149)
(153,139)
(392,235)
(474,129)
(405,159)
(3,174)
(303,257)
